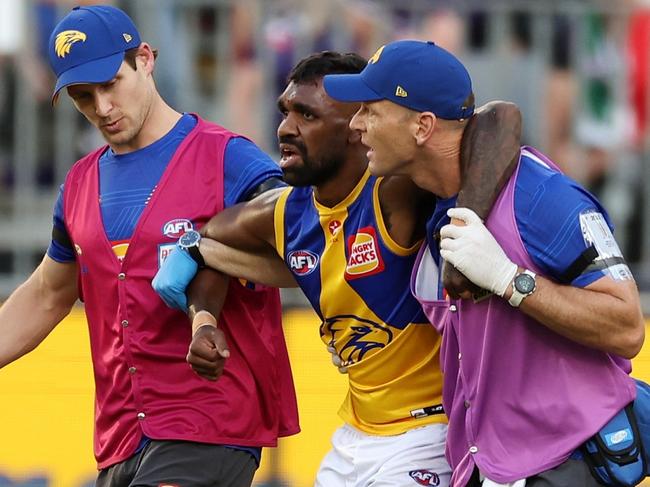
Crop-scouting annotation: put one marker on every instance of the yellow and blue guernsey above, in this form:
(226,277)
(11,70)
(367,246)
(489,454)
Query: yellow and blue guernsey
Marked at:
(356,278)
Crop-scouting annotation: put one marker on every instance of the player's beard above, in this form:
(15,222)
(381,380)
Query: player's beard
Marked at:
(311,172)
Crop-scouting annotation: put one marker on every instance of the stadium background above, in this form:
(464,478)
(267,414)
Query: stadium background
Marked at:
(579,70)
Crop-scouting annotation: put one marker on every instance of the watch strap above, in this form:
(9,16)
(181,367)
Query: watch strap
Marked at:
(517,296)
(195,253)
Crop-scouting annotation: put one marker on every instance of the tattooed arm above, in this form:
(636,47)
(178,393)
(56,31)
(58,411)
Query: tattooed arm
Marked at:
(489,155)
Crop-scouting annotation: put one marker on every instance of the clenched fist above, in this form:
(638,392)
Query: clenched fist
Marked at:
(208,350)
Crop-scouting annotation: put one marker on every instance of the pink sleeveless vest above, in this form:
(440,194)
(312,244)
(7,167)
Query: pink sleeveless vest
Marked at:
(143,384)
(520,398)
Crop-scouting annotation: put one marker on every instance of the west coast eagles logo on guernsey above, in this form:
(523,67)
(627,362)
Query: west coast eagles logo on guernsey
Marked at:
(364,257)
(354,337)
(64,41)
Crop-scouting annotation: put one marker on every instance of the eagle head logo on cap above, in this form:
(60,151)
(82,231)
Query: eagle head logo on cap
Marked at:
(375,57)
(65,39)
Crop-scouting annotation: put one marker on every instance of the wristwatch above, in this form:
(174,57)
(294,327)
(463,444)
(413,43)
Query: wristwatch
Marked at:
(189,242)
(523,286)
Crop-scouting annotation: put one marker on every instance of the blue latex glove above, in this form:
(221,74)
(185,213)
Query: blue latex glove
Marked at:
(173,277)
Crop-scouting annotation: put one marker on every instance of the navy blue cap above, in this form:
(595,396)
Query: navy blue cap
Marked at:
(88,45)
(415,74)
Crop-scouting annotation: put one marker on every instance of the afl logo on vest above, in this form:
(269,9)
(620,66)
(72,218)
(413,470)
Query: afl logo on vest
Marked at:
(425,477)
(175,228)
(364,257)
(302,262)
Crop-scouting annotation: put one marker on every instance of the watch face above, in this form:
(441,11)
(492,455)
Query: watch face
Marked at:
(525,283)
(189,239)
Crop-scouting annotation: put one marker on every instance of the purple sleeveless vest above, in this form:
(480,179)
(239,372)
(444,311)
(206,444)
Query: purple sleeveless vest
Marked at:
(520,398)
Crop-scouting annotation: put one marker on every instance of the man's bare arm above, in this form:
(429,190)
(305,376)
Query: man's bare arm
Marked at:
(240,242)
(207,292)
(489,155)
(263,267)
(246,226)
(36,307)
(605,315)
(608,316)
(208,350)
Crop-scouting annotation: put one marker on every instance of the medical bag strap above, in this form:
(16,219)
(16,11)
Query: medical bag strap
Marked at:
(579,265)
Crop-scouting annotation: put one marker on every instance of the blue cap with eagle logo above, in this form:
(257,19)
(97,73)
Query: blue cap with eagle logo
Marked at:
(88,45)
(415,74)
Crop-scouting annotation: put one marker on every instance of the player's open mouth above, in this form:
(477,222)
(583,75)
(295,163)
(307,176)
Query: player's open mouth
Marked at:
(289,155)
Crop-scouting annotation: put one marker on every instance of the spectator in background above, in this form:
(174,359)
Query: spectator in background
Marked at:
(245,90)
(560,93)
(165,23)
(639,68)
(603,122)
(638,42)
(12,34)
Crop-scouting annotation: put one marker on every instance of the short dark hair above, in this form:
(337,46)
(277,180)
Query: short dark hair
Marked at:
(319,64)
(130,55)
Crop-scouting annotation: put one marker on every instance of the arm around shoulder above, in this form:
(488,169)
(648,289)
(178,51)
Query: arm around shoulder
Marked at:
(240,242)
(36,307)
(489,155)
(264,266)
(246,226)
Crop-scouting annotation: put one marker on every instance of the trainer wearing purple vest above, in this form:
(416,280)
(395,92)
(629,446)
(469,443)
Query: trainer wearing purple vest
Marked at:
(539,362)
(119,214)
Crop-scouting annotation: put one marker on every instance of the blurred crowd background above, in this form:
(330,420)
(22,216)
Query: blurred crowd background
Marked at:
(578,69)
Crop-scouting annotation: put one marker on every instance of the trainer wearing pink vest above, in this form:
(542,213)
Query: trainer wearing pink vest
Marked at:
(119,214)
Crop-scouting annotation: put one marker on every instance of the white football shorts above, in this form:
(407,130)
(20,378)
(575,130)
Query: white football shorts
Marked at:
(410,459)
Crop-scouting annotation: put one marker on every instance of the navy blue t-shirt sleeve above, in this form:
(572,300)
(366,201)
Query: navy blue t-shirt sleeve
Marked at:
(246,166)
(553,216)
(57,251)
